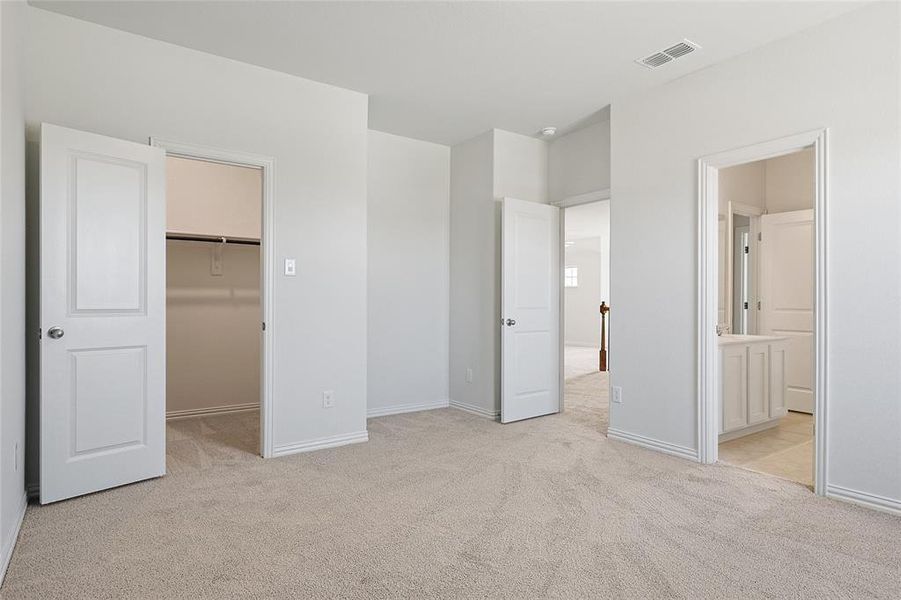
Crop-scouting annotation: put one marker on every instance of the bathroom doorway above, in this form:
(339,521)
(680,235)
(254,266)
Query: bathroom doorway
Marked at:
(762,334)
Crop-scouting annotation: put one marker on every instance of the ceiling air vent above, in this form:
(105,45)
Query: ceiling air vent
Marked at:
(658,59)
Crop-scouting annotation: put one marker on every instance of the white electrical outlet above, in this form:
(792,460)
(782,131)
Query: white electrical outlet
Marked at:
(617,394)
(468,375)
(328,399)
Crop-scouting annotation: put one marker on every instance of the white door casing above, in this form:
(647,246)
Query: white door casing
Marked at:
(102,394)
(787,298)
(530,318)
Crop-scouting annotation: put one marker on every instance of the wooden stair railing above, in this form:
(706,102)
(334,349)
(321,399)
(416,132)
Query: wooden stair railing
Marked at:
(602,358)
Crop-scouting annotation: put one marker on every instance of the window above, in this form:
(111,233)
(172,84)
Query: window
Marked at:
(571,277)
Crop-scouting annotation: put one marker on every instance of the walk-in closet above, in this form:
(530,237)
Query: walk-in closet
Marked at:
(213,314)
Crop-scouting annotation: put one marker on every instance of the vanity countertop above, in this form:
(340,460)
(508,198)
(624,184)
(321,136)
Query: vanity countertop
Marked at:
(729,339)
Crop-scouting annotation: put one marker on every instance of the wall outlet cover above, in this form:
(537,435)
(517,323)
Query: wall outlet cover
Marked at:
(328,399)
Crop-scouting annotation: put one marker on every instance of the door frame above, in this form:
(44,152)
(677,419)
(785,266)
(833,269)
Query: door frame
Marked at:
(569,202)
(708,211)
(267,260)
(753,213)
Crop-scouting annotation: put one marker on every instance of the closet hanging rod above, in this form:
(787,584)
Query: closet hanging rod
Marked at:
(211,238)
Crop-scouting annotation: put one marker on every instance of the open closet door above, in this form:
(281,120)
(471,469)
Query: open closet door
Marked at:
(787,297)
(530,339)
(103,302)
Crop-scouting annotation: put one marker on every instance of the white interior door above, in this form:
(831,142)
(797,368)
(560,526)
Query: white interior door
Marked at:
(530,340)
(102,313)
(787,297)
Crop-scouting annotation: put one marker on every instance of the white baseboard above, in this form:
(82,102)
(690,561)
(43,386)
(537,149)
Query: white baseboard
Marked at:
(212,410)
(473,409)
(6,552)
(873,501)
(397,409)
(652,444)
(321,443)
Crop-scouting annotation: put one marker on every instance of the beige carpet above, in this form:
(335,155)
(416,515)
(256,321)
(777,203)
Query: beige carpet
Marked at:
(579,360)
(443,504)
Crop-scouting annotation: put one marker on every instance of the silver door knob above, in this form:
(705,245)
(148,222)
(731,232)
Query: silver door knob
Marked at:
(511,322)
(56,332)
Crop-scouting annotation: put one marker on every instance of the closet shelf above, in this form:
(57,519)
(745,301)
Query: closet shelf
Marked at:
(214,239)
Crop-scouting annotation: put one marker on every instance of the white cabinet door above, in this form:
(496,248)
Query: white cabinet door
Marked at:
(103,302)
(777,380)
(734,387)
(530,340)
(758,383)
(787,297)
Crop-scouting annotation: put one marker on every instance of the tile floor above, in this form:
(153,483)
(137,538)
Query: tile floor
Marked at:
(785,451)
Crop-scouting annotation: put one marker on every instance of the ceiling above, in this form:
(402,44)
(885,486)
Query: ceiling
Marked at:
(587,221)
(447,71)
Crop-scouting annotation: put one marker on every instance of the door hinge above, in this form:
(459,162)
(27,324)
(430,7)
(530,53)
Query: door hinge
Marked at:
(263,324)
(759,236)
(747,249)
(758,305)
(746,306)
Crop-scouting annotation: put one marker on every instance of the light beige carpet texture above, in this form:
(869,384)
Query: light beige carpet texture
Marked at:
(443,504)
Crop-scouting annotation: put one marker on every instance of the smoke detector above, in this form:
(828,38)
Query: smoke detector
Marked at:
(548,131)
(658,59)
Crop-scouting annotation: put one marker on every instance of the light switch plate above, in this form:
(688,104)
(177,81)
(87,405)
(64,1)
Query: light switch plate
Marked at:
(328,399)
(290,267)
(617,394)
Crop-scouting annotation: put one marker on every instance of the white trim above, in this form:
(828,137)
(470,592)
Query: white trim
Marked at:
(321,443)
(587,198)
(267,272)
(756,428)
(6,554)
(873,501)
(398,409)
(652,444)
(708,210)
(174,415)
(474,410)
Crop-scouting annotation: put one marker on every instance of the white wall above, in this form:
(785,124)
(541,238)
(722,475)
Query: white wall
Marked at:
(582,318)
(743,184)
(114,83)
(483,170)
(212,327)
(408,284)
(12,278)
(473,276)
(579,162)
(842,75)
(520,167)
(780,184)
(208,198)
(791,182)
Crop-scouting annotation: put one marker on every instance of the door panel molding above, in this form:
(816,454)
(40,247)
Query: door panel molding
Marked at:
(102,289)
(530,301)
